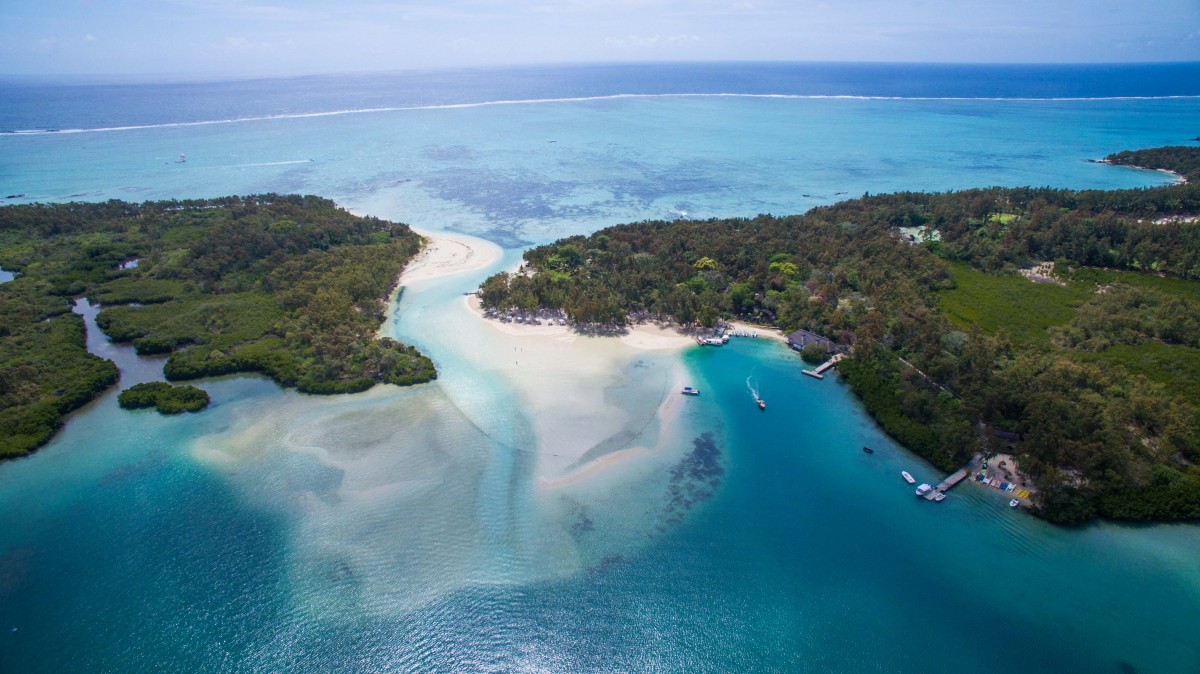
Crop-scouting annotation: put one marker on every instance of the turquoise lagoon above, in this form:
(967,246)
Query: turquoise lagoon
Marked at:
(406,530)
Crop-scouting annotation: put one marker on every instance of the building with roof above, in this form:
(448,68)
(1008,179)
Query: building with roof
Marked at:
(802,338)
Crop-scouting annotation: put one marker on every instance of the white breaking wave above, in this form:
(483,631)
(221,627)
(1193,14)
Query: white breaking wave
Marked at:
(583,99)
(265,163)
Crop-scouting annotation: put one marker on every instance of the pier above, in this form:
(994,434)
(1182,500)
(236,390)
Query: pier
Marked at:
(817,373)
(946,484)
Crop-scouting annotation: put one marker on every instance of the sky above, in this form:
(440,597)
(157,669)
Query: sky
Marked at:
(293,37)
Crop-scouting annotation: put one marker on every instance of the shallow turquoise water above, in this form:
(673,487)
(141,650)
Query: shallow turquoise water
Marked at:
(401,529)
(493,170)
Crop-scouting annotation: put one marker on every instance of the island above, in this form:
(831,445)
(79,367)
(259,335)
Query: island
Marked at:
(290,287)
(164,397)
(1057,328)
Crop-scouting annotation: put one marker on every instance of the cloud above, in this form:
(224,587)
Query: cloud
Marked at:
(89,38)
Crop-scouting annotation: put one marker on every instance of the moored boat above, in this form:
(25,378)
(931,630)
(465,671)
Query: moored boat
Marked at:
(939,496)
(907,478)
(1014,503)
(689,391)
(924,489)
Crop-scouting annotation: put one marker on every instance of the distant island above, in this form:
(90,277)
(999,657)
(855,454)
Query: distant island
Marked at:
(1059,326)
(291,287)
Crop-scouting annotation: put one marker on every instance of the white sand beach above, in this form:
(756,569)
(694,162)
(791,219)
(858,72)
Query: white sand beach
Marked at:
(762,330)
(445,254)
(644,336)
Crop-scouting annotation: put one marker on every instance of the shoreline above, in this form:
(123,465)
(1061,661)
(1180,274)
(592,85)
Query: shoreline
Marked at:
(646,336)
(642,336)
(443,254)
(1179,178)
(762,330)
(1003,467)
(446,254)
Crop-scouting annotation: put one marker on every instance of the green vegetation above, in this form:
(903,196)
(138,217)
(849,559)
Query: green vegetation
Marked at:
(1009,302)
(1174,366)
(814,354)
(166,398)
(1176,158)
(292,287)
(1147,324)
(45,370)
(1099,388)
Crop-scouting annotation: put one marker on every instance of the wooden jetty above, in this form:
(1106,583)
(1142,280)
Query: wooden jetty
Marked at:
(817,373)
(946,484)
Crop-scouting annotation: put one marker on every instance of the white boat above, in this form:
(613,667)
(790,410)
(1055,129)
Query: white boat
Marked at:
(941,495)
(1014,503)
(689,391)
(907,478)
(924,489)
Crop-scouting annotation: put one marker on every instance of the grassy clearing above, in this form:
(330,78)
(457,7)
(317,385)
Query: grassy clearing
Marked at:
(1174,366)
(1010,302)
(1176,287)
(1025,310)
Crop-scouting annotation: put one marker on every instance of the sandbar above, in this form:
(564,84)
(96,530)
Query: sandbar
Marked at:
(446,254)
(566,381)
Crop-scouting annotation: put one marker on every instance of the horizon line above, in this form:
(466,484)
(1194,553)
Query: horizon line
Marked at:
(218,77)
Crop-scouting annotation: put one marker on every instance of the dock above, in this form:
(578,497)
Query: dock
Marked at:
(817,373)
(946,484)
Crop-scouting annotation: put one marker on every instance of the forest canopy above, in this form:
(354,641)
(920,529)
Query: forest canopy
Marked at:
(292,287)
(164,397)
(1091,371)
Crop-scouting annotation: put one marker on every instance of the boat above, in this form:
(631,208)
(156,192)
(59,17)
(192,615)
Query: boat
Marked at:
(182,159)
(1014,503)
(907,478)
(924,489)
(689,391)
(761,404)
(868,450)
(941,495)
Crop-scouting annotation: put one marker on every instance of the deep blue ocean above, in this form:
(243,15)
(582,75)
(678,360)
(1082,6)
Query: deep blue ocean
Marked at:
(69,105)
(408,529)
